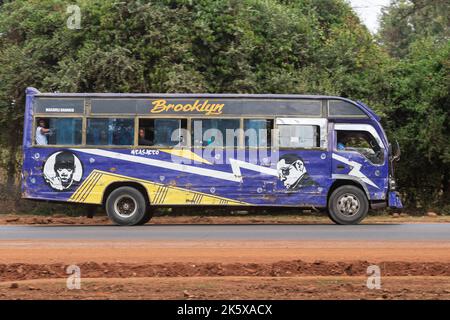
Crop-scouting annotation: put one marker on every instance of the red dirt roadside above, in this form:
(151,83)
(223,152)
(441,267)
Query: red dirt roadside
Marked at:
(224,270)
(59,219)
(256,269)
(192,288)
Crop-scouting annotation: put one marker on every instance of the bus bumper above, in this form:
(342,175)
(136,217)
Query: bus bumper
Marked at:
(394,201)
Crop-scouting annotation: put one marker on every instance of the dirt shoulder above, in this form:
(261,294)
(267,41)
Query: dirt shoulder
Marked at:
(294,268)
(192,288)
(59,219)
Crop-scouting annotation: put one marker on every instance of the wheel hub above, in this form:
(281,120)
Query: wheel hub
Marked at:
(125,206)
(348,204)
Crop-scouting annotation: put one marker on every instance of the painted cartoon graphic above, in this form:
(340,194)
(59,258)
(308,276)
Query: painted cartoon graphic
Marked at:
(292,172)
(62,170)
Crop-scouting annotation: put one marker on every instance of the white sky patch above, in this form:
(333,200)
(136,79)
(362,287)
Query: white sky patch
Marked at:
(369,11)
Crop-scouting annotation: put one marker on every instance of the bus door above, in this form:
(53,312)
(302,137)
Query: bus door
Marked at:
(303,163)
(359,154)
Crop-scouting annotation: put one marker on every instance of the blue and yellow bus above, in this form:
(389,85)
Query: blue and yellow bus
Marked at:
(132,153)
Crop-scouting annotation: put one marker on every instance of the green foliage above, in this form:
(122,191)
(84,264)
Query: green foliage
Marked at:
(419,116)
(184,46)
(417,102)
(406,21)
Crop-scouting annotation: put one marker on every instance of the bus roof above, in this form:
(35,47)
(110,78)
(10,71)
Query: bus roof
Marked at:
(187,95)
(342,106)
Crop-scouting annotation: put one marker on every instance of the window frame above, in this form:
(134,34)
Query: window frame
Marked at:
(107,145)
(364,128)
(48,116)
(272,131)
(136,141)
(322,123)
(239,138)
(323,130)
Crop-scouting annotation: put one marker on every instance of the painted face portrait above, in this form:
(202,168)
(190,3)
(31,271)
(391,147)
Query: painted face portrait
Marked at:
(62,169)
(292,172)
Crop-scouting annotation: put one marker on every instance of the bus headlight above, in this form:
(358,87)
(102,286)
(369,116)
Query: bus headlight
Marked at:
(392,184)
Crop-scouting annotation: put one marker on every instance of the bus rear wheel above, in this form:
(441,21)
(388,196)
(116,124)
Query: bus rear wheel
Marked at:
(348,205)
(126,206)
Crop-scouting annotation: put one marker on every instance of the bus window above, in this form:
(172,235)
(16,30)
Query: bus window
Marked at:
(214,131)
(362,142)
(258,132)
(58,131)
(112,131)
(162,132)
(299,136)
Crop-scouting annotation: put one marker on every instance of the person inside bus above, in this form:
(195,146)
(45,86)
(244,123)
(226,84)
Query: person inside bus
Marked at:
(142,140)
(362,143)
(41,133)
(342,141)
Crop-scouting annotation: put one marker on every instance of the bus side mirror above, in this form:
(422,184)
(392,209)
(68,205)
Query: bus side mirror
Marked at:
(394,151)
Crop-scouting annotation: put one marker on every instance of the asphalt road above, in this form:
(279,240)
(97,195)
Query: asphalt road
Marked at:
(417,232)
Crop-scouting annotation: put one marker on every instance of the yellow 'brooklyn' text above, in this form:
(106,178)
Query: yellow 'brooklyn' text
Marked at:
(205,107)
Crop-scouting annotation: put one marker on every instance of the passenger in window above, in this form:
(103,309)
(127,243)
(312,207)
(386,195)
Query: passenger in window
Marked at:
(142,140)
(41,133)
(347,141)
(341,142)
(341,146)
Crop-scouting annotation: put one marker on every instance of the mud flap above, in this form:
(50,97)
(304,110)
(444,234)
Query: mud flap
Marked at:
(394,200)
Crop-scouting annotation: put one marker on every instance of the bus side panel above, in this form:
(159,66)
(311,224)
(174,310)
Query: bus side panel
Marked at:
(305,183)
(177,180)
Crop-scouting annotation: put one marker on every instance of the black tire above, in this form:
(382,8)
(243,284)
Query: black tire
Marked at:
(348,205)
(126,206)
(147,217)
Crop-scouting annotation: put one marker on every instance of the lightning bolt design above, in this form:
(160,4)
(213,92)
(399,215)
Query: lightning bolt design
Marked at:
(356,169)
(235,175)
(236,166)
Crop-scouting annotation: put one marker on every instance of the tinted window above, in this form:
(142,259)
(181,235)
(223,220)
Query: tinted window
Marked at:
(61,106)
(111,131)
(162,132)
(208,131)
(343,108)
(299,136)
(58,131)
(258,132)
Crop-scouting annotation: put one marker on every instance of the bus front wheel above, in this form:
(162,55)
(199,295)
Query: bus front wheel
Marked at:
(126,206)
(348,205)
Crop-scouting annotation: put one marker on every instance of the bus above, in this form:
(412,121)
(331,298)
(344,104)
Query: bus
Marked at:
(132,153)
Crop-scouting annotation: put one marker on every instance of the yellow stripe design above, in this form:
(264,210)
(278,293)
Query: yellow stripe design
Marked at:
(92,189)
(187,154)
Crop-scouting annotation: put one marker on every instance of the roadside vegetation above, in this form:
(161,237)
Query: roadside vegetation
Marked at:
(245,46)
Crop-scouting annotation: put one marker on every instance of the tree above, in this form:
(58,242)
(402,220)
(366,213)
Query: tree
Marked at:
(405,21)
(419,116)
